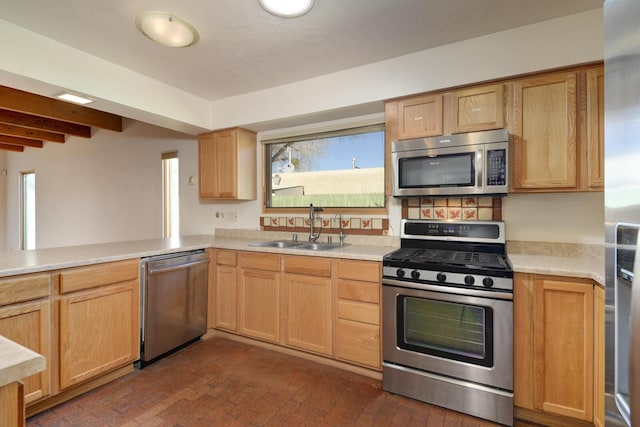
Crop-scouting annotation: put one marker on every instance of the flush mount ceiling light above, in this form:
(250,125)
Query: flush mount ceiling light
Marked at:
(287,8)
(167,29)
(77,99)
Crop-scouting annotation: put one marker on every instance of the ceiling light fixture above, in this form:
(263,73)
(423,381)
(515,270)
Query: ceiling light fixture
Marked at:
(167,29)
(287,8)
(74,98)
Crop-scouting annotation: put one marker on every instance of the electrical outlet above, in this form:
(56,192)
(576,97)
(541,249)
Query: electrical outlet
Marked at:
(231,216)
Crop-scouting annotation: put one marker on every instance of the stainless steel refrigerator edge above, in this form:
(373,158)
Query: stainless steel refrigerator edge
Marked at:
(622,211)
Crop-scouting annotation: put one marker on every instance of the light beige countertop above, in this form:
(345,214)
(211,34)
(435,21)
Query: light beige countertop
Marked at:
(552,259)
(32,261)
(571,266)
(17,362)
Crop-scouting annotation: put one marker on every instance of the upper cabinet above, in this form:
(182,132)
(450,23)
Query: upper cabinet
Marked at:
(555,119)
(464,110)
(477,108)
(544,132)
(420,117)
(227,164)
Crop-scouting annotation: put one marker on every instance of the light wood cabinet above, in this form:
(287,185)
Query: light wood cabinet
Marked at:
(594,127)
(544,132)
(558,343)
(227,164)
(259,296)
(226,290)
(25,318)
(99,320)
(358,313)
(308,303)
(12,401)
(477,108)
(420,117)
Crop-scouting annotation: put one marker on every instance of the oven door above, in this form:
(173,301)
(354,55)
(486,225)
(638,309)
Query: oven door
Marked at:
(459,336)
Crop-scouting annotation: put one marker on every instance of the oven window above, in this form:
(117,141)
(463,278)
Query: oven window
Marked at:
(452,170)
(450,330)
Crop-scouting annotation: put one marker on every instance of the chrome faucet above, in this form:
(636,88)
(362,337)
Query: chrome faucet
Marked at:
(312,217)
(341,236)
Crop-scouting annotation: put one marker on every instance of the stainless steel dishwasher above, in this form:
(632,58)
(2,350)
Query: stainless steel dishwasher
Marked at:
(174,303)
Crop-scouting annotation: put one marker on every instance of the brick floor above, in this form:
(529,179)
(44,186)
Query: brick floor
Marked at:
(218,382)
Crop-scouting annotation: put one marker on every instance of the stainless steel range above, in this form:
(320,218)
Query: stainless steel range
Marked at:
(448,317)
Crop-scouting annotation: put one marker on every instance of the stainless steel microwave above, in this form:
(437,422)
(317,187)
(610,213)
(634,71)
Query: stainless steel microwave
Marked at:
(473,163)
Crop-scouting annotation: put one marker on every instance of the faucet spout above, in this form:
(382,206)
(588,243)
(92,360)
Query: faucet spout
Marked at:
(313,235)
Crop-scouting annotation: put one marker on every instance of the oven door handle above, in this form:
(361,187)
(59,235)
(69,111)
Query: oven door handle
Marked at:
(449,289)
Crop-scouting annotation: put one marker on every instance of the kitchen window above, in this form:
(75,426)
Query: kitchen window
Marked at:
(28,210)
(341,168)
(170,194)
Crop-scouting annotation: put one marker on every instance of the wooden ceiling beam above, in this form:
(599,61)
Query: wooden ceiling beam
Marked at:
(25,142)
(30,103)
(9,147)
(43,123)
(23,132)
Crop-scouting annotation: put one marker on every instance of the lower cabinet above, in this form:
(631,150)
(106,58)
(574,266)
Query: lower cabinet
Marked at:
(98,331)
(557,341)
(326,306)
(308,307)
(25,318)
(358,313)
(259,296)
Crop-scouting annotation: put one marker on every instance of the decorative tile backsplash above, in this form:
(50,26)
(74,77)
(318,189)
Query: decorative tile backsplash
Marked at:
(330,225)
(456,208)
(465,208)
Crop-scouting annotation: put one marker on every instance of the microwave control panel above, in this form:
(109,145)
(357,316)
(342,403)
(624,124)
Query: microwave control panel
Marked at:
(496,167)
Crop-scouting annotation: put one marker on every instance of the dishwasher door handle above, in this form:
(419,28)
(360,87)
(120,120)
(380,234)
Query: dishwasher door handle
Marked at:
(175,267)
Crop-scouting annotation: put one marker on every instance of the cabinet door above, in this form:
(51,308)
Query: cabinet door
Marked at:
(478,108)
(99,331)
(29,325)
(217,153)
(598,357)
(420,117)
(563,348)
(309,313)
(595,128)
(226,297)
(544,133)
(259,304)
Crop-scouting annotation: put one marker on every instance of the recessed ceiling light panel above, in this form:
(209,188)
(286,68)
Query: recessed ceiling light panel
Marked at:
(167,29)
(287,8)
(74,98)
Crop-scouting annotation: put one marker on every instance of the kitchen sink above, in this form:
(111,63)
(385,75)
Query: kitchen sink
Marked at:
(278,244)
(290,244)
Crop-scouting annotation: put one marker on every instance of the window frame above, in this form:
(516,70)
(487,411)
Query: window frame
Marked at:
(340,128)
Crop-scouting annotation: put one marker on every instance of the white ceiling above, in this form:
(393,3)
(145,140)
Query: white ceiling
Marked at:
(243,49)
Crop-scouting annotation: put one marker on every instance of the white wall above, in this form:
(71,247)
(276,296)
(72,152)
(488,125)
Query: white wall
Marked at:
(561,217)
(107,188)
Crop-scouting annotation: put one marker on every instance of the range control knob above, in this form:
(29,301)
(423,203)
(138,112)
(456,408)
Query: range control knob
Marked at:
(400,272)
(487,282)
(469,280)
(415,274)
(441,277)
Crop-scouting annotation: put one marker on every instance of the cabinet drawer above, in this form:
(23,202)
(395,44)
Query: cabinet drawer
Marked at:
(366,271)
(359,291)
(260,261)
(310,266)
(359,311)
(24,288)
(358,342)
(226,258)
(98,275)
